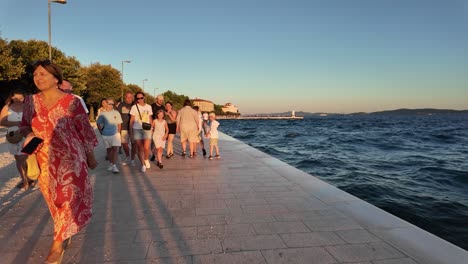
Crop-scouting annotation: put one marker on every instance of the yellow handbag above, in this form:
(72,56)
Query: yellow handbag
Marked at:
(32,170)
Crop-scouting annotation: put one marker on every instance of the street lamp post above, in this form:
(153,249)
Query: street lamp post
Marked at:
(155,88)
(143,81)
(50,22)
(121,91)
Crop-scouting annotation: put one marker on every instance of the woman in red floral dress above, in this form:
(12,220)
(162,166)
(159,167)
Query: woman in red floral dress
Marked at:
(67,152)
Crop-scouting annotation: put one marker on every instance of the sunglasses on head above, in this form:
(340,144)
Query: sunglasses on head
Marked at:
(42,63)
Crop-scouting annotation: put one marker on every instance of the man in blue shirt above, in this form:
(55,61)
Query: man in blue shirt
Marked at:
(109,123)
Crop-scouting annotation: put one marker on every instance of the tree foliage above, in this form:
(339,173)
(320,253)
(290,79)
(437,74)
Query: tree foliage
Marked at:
(102,81)
(176,99)
(11,68)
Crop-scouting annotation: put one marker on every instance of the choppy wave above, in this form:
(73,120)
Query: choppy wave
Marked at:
(415,167)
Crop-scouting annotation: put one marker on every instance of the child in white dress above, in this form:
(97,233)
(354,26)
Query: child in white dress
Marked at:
(160,133)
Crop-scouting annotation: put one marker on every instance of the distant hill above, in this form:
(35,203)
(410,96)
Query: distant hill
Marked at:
(403,111)
(423,111)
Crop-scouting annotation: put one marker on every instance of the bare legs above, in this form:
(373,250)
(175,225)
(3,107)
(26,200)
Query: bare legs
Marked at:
(21,167)
(170,144)
(143,149)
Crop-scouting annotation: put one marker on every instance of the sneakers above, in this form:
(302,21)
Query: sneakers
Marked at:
(210,157)
(204,152)
(147,164)
(217,157)
(126,161)
(114,169)
(143,168)
(132,163)
(110,167)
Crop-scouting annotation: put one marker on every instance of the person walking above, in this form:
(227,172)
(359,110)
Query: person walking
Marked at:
(161,131)
(128,144)
(10,117)
(155,107)
(200,131)
(109,123)
(140,128)
(67,87)
(187,125)
(65,155)
(213,135)
(171,119)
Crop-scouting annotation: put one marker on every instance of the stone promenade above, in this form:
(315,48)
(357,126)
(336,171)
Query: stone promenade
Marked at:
(246,207)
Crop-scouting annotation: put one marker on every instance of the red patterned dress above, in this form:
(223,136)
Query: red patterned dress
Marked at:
(64,180)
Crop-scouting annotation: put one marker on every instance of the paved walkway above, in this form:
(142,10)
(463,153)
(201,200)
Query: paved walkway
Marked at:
(246,207)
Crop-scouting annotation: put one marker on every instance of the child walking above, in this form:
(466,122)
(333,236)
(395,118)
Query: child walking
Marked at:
(213,135)
(160,134)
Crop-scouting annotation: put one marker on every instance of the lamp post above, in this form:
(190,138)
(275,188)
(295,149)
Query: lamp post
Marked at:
(155,88)
(121,91)
(143,81)
(50,19)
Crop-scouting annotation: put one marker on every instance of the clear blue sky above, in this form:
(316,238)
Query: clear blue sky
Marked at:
(268,55)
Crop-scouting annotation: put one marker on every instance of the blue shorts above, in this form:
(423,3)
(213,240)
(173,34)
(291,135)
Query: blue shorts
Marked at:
(141,134)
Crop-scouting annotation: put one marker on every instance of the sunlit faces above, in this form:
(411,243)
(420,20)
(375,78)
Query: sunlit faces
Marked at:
(66,86)
(128,98)
(110,105)
(44,80)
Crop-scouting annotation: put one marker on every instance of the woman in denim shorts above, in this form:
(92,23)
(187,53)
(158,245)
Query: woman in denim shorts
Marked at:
(141,112)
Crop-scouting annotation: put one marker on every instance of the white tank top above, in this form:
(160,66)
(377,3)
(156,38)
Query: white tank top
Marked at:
(14,117)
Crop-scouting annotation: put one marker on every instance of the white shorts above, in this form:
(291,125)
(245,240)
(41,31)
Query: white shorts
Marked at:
(112,141)
(15,149)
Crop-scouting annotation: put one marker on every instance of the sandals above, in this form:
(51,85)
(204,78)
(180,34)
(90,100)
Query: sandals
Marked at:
(30,185)
(160,165)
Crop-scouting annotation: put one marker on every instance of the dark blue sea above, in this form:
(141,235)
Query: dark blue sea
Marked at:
(415,167)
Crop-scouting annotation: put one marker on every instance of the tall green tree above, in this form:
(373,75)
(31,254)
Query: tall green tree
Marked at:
(176,99)
(32,50)
(11,68)
(102,81)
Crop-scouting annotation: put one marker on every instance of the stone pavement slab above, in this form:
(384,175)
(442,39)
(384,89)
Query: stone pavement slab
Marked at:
(246,207)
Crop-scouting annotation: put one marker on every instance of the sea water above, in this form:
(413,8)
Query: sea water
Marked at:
(413,166)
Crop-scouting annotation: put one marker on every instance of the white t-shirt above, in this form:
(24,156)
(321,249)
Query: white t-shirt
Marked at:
(214,129)
(145,112)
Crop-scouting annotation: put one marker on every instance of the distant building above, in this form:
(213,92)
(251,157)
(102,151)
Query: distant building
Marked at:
(230,108)
(205,105)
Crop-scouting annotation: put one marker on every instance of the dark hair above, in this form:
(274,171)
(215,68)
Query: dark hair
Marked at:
(13,92)
(196,107)
(159,111)
(187,102)
(137,93)
(51,68)
(169,102)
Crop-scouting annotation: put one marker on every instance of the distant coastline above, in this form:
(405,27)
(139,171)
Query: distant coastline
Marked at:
(402,111)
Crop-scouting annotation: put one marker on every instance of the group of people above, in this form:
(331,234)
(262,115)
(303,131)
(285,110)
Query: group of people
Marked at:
(141,129)
(66,153)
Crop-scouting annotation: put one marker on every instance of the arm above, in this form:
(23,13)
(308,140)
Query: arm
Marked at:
(167,131)
(4,118)
(28,114)
(130,126)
